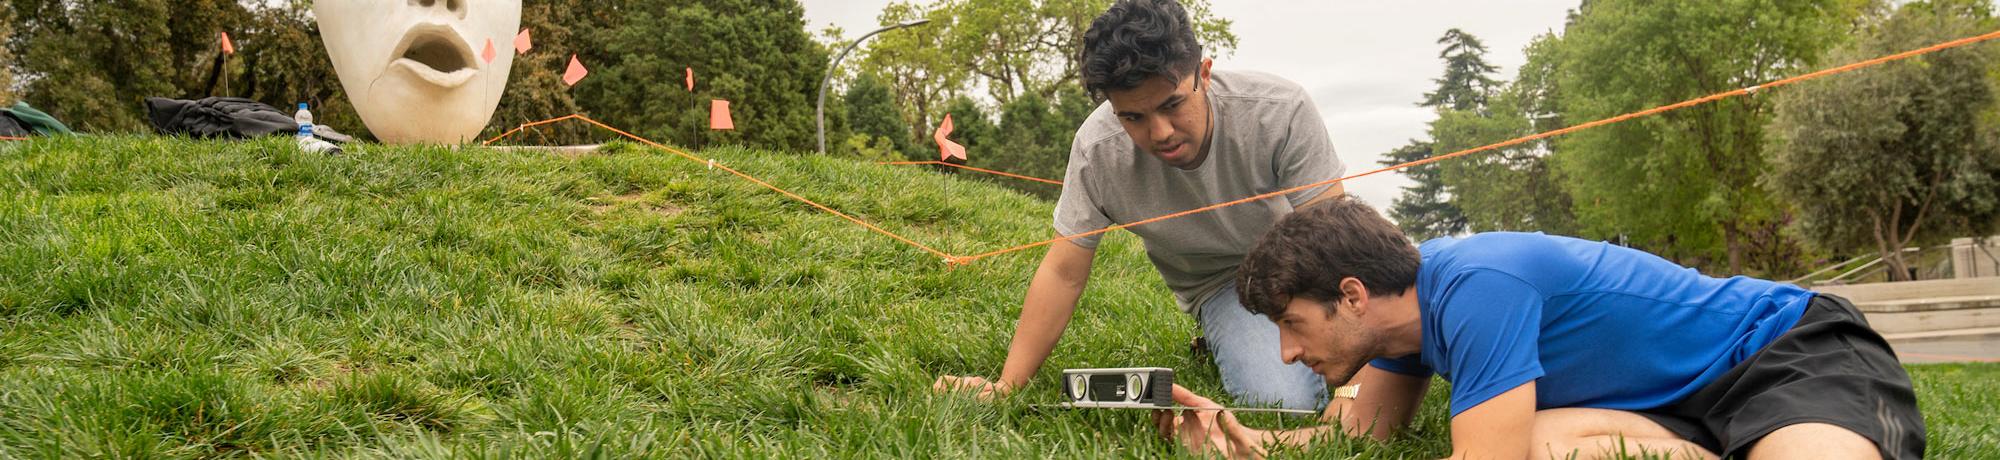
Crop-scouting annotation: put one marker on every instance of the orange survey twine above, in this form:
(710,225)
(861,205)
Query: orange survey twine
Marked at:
(11,138)
(960,166)
(1519,140)
(952,260)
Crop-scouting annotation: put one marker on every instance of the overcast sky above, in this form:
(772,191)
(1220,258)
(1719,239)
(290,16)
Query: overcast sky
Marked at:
(1365,62)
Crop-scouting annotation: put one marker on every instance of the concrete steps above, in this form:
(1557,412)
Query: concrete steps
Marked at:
(1953,320)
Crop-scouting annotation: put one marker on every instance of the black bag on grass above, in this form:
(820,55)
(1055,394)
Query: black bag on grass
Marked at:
(11,128)
(230,117)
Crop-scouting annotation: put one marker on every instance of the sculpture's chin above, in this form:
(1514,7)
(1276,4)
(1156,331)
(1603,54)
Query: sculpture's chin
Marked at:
(404,107)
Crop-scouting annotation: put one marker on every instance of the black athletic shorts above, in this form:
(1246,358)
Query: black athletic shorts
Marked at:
(1829,368)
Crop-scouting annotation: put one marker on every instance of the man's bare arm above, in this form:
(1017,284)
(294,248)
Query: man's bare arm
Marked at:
(1496,429)
(1386,404)
(1051,300)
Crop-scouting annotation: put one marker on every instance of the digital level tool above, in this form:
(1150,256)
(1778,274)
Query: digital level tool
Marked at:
(1150,388)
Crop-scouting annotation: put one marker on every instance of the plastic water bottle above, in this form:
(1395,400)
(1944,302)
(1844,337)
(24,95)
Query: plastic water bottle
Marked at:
(305,119)
(307,142)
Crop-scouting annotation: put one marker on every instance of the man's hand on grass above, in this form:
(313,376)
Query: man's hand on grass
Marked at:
(1207,431)
(980,387)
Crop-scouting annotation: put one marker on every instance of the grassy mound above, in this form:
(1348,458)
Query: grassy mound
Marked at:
(165,297)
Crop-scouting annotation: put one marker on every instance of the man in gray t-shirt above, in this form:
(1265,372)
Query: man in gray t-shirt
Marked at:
(1175,136)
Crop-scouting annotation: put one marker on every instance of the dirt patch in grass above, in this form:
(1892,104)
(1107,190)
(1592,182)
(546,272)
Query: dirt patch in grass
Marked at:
(606,204)
(339,370)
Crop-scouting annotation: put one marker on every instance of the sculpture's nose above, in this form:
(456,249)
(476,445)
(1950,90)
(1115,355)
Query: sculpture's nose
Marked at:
(453,7)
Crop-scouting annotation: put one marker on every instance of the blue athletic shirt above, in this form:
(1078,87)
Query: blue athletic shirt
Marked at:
(1599,325)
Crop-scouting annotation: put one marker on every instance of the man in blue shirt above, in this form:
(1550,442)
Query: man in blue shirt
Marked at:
(1559,347)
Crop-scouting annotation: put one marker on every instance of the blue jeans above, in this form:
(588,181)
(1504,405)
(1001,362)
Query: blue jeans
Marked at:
(1245,347)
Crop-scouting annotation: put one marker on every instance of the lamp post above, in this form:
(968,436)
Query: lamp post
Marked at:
(820,115)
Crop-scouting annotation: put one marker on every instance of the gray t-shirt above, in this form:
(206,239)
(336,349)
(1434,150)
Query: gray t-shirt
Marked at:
(1267,136)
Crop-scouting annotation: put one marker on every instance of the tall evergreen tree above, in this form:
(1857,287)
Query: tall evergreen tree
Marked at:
(1467,82)
(1513,188)
(1426,208)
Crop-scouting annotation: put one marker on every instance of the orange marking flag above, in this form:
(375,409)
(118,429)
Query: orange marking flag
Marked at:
(576,71)
(690,79)
(718,115)
(946,148)
(488,54)
(523,42)
(228,47)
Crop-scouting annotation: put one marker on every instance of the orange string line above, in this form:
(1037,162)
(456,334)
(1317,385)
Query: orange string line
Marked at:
(988,171)
(712,163)
(12,138)
(954,260)
(1653,111)
(526,126)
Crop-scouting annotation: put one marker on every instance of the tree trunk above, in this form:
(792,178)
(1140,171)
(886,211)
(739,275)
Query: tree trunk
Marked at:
(1732,246)
(1899,269)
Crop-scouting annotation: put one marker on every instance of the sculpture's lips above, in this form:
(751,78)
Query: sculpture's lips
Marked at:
(436,53)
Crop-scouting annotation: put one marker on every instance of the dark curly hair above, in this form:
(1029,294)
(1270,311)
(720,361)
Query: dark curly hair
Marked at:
(1310,250)
(1135,41)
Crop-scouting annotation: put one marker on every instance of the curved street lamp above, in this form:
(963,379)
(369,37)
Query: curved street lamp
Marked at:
(821,111)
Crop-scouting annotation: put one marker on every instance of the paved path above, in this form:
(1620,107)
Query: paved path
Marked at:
(1985,348)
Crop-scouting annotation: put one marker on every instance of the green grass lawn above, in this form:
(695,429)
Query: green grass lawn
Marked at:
(173,298)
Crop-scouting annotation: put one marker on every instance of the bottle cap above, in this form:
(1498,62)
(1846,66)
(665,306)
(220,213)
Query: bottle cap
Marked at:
(302,106)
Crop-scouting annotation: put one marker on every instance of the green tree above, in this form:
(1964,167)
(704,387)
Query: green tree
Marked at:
(1684,184)
(871,115)
(1897,155)
(6,56)
(281,61)
(94,63)
(1000,49)
(1426,209)
(1423,211)
(1467,80)
(169,48)
(535,89)
(970,128)
(1512,188)
(1034,137)
(754,53)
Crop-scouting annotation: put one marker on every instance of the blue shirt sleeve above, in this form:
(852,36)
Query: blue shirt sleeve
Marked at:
(1410,365)
(1488,325)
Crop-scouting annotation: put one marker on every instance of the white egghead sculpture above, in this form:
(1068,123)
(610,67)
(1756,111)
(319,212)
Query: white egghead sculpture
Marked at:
(413,68)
